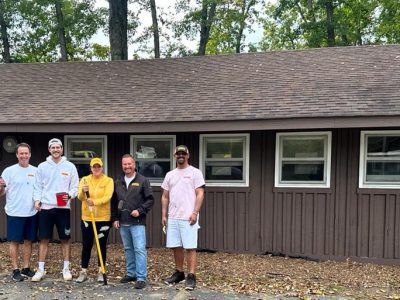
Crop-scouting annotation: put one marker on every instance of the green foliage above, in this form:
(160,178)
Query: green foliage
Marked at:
(12,21)
(287,24)
(231,19)
(281,30)
(355,22)
(294,24)
(38,39)
(388,28)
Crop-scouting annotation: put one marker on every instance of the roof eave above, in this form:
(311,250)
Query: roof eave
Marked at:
(305,123)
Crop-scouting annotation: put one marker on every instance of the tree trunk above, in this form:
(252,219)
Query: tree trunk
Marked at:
(155,29)
(330,28)
(359,33)
(61,30)
(243,17)
(207,18)
(118,26)
(4,36)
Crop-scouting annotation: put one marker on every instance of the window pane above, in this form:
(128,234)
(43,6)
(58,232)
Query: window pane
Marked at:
(383,171)
(224,170)
(152,149)
(85,149)
(153,169)
(383,146)
(81,151)
(225,149)
(300,148)
(294,171)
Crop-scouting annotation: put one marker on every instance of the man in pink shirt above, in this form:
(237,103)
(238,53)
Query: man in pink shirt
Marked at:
(181,202)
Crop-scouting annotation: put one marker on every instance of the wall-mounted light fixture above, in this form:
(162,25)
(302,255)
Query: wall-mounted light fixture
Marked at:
(10,144)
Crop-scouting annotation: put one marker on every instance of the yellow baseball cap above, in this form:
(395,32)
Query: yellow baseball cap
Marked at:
(96,161)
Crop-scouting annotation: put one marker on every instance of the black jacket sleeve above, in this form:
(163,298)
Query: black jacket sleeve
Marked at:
(148,198)
(114,204)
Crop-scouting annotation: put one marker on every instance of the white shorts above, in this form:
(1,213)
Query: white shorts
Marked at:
(181,234)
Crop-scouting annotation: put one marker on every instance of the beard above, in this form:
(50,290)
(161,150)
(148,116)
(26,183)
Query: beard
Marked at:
(128,171)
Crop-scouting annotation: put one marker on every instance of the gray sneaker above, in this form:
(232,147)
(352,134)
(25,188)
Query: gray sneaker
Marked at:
(82,277)
(140,284)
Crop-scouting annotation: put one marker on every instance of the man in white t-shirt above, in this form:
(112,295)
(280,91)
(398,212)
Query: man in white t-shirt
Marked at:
(16,183)
(181,202)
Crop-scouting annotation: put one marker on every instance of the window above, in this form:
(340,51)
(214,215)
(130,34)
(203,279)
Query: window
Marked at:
(380,159)
(303,159)
(80,149)
(153,155)
(224,159)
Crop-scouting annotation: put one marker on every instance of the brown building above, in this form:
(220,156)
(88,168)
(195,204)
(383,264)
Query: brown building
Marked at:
(300,149)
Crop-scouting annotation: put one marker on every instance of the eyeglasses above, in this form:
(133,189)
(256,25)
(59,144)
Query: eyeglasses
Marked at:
(96,167)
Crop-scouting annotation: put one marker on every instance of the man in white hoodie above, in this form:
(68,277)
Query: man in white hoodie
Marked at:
(55,175)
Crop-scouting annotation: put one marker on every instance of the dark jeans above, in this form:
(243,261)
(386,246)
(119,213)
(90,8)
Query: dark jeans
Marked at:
(103,228)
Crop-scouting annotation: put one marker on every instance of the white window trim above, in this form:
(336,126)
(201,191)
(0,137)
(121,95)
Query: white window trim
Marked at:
(363,161)
(155,137)
(327,167)
(83,137)
(246,160)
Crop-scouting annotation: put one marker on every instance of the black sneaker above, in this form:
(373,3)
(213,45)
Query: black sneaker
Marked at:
(16,276)
(27,272)
(175,278)
(127,279)
(190,282)
(140,284)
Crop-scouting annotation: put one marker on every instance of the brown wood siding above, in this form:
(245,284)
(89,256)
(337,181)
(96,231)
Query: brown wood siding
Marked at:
(301,225)
(224,221)
(328,223)
(378,223)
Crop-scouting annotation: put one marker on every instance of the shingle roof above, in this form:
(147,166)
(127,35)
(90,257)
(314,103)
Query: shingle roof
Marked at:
(328,82)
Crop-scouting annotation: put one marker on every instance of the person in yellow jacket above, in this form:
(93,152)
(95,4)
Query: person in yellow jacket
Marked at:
(100,188)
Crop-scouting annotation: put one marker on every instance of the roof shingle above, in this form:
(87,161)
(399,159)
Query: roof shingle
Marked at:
(328,82)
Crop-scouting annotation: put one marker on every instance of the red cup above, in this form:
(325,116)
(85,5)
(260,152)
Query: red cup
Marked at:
(60,199)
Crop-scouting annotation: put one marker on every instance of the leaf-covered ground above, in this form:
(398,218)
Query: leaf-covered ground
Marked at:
(256,275)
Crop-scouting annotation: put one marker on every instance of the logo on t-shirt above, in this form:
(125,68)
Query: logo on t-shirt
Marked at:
(64,173)
(31,175)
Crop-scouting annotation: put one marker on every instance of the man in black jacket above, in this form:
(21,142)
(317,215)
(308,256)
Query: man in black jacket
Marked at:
(132,200)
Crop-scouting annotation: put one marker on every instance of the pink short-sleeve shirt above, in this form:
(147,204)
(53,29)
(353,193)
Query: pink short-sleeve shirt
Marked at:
(181,185)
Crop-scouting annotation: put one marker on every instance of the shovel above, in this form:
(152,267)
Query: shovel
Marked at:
(96,238)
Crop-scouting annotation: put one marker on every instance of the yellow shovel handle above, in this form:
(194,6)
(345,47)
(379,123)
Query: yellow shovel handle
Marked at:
(96,238)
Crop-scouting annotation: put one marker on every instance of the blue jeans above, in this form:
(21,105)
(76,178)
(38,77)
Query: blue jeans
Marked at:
(134,240)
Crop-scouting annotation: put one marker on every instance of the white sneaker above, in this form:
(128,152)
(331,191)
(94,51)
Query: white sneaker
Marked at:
(38,275)
(100,277)
(67,275)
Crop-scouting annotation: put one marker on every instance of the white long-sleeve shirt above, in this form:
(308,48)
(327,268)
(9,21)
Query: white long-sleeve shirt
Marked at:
(53,178)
